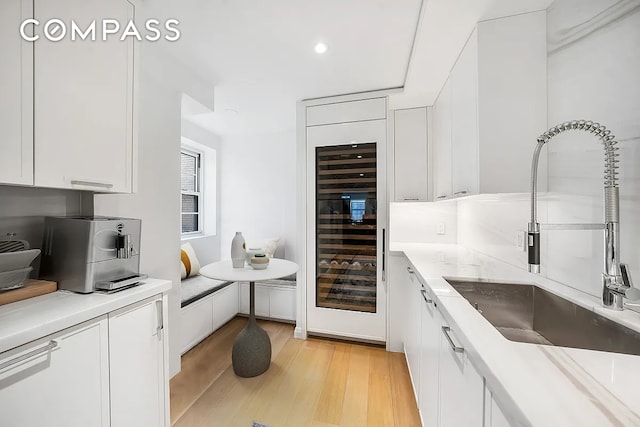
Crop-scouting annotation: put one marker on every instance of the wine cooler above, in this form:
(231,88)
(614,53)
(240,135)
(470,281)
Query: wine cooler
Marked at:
(346,227)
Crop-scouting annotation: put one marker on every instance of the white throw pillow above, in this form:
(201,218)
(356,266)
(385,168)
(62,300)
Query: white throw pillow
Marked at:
(267,246)
(189,264)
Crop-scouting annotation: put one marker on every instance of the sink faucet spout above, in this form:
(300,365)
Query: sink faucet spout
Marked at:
(616,282)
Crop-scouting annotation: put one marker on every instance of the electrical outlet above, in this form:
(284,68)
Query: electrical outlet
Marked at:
(521,237)
(440,228)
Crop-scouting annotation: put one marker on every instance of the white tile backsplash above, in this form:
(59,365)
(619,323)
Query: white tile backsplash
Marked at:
(418,222)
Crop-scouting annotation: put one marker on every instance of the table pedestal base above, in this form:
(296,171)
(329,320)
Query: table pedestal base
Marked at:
(251,353)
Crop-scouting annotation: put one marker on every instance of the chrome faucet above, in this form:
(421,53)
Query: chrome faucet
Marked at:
(616,281)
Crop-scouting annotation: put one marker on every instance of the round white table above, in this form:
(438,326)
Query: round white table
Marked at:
(251,353)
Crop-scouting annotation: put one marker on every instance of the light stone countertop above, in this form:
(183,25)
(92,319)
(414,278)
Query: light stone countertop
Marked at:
(24,321)
(533,384)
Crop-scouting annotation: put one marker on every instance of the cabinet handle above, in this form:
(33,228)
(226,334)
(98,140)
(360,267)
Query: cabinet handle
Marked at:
(160,318)
(424,297)
(384,254)
(411,198)
(458,193)
(91,183)
(445,331)
(410,270)
(441,197)
(52,344)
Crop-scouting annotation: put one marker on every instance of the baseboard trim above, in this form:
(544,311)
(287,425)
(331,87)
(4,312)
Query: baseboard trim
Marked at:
(299,333)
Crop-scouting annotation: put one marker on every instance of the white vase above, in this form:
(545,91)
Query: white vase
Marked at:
(238,251)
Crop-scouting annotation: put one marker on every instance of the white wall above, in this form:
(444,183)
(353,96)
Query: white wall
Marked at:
(207,246)
(258,189)
(162,80)
(593,69)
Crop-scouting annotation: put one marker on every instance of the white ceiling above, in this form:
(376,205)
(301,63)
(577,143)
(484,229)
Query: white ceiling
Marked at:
(261,59)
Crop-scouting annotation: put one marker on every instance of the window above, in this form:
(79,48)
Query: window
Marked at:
(191,192)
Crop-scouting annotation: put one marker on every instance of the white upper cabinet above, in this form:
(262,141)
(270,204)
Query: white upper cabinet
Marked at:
(464,120)
(411,169)
(16,95)
(347,112)
(442,143)
(498,101)
(83,124)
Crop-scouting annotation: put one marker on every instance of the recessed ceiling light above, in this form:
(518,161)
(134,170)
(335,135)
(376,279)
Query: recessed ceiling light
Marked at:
(320,48)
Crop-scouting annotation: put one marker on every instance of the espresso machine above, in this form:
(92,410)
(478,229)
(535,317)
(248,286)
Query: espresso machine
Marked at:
(88,253)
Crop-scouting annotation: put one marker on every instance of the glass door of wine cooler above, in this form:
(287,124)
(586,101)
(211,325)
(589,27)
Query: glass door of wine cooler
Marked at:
(346,227)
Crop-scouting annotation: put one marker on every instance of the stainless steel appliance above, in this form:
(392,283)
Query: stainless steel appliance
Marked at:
(87,253)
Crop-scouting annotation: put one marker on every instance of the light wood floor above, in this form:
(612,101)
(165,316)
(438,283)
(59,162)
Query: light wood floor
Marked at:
(316,382)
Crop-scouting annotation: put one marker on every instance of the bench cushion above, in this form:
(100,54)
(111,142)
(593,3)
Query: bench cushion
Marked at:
(194,288)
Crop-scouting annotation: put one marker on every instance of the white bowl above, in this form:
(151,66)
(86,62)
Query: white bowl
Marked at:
(14,279)
(251,252)
(10,261)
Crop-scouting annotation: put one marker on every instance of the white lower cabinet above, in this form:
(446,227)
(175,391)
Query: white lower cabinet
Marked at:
(493,415)
(461,387)
(225,305)
(61,380)
(196,323)
(275,302)
(449,391)
(200,319)
(282,304)
(413,336)
(137,366)
(429,361)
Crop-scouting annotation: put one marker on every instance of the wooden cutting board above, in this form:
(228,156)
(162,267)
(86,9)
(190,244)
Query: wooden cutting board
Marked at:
(32,288)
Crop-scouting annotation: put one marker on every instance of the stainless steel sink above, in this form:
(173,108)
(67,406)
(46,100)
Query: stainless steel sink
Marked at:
(527,313)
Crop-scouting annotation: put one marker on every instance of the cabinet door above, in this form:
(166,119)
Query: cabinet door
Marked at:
(410,154)
(399,291)
(58,381)
(442,143)
(464,120)
(84,100)
(429,360)
(282,303)
(137,374)
(414,331)
(16,95)
(493,415)
(225,305)
(461,387)
(196,322)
